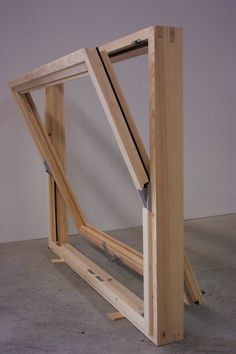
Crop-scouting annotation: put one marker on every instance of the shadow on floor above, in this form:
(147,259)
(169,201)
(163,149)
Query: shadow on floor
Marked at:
(47,308)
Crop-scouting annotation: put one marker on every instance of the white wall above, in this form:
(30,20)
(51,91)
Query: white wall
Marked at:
(35,32)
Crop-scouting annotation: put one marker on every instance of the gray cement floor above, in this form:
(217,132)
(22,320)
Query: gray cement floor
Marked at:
(47,308)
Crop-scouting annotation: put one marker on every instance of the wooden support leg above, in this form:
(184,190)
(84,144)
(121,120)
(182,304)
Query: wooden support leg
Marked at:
(166,176)
(191,283)
(115,316)
(54,116)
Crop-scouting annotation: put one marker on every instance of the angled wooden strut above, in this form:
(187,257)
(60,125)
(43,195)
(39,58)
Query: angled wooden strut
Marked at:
(114,113)
(163,263)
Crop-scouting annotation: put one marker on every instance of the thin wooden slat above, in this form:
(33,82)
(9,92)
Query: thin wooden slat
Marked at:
(54,119)
(52,213)
(166,161)
(191,283)
(115,118)
(126,302)
(147,272)
(44,71)
(57,260)
(131,123)
(115,316)
(127,255)
(65,75)
(48,153)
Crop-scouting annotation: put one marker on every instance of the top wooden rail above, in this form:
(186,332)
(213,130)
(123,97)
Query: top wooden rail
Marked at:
(72,65)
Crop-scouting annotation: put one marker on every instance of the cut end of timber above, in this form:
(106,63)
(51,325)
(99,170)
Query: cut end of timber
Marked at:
(115,316)
(57,260)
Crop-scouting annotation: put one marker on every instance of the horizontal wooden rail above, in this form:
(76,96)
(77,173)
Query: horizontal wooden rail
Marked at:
(72,66)
(54,68)
(127,255)
(125,301)
(134,259)
(114,48)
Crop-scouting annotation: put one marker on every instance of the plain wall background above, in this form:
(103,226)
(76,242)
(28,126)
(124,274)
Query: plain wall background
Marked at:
(35,32)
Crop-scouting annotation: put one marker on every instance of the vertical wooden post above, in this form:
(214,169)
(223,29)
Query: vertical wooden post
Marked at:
(54,115)
(166,178)
(147,272)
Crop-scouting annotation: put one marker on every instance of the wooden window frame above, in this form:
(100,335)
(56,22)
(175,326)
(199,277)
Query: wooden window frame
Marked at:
(165,268)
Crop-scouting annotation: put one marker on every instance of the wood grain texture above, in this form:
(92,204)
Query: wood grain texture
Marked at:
(54,120)
(166,161)
(126,40)
(147,271)
(49,154)
(75,72)
(113,247)
(72,65)
(192,288)
(126,302)
(43,72)
(130,121)
(115,316)
(57,260)
(115,118)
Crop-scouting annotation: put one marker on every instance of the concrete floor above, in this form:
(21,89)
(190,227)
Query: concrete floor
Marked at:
(47,308)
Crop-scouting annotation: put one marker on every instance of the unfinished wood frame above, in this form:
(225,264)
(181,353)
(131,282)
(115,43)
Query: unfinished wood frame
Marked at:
(159,180)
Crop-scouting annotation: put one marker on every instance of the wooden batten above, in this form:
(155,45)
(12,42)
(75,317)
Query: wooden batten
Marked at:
(126,302)
(129,119)
(192,287)
(42,75)
(54,120)
(115,118)
(49,154)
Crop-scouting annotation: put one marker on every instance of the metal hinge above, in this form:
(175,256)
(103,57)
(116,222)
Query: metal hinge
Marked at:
(145,196)
(113,257)
(47,168)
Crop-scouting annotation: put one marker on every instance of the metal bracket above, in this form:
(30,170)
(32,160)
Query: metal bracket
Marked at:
(137,41)
(145,196)
(47,168)
(113,257)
